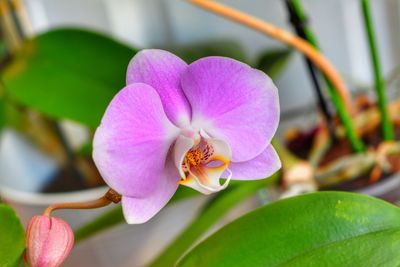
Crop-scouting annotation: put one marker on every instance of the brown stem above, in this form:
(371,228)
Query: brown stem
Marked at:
(110,196)
(303,46)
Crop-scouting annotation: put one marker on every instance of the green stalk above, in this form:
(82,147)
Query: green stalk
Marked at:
(355,142)
(387,127)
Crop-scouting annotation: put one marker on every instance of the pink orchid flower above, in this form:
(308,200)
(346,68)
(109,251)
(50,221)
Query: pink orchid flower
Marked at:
(185,124)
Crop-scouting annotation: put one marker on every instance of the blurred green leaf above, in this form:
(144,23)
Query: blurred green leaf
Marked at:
(115,217)
(3,117)
(3,50)
(214,210)
(273,62)
(86,149)
(14,115)
(320,229)
(224,48)
(2,113)
(68,73)
(12,238)
(110,218)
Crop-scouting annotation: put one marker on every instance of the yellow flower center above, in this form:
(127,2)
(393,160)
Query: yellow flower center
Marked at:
(194,157)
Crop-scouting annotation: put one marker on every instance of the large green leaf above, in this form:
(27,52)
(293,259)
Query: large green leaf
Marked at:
(320,229)
(12,237)
(214,210)
(273,62)
(68,73)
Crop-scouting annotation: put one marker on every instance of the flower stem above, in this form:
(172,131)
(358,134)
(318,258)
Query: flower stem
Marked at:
(110,196)
(387,127)
(344,116)
(299,22)
(341,98)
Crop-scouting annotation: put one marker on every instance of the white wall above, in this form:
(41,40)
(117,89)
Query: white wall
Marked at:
(147,23)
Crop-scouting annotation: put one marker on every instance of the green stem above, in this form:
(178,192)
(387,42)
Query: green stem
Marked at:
(355,142)
(387,127)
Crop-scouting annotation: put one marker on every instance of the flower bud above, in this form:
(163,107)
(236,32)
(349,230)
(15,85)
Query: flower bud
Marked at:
(49,240)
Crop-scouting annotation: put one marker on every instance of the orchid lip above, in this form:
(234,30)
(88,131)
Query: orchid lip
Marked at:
(208,189)
(201,160)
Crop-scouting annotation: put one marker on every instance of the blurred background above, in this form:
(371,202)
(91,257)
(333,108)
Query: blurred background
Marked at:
(154,23)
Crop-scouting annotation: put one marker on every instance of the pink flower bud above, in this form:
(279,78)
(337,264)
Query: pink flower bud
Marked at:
(49,240)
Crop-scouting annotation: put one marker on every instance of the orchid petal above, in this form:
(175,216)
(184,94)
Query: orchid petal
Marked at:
(140,210)
(233,102)
(162,70)
(262,166)
(130,146)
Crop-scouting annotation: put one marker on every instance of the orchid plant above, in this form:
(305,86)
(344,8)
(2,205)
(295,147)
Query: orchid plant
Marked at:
(42,234)
(173,124)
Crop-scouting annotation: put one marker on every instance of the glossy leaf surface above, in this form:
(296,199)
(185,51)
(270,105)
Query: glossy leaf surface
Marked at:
(320,229)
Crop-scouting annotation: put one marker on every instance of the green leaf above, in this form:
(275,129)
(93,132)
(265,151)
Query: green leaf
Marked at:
(273,62)
(115,217)
(320,229)
(110,218)
(12,238)
(3,117)
(86,149)
(3,50)
(68,73)
(2,113)
(215,209)
(225,48)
